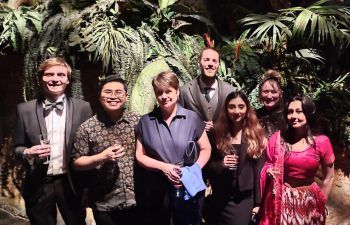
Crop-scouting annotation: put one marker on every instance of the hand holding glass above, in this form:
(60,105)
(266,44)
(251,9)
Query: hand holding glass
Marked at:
(117,144)
(234,153)
(44,140)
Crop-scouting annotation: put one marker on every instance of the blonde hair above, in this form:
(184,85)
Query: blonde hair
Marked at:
(274,78)
(165,79)
(55,61)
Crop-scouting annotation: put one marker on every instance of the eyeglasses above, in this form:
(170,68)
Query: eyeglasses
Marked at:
(110,93)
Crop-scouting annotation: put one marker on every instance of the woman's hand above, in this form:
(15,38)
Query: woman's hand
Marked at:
(173,173)
(231,161)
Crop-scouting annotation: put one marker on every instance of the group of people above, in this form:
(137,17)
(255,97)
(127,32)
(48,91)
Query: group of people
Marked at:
(157,168)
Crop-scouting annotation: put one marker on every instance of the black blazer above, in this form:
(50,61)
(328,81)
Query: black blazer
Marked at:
(30,123)
(221,178)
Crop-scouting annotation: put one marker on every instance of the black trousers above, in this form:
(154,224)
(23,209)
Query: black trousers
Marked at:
(118,217)
(56,191)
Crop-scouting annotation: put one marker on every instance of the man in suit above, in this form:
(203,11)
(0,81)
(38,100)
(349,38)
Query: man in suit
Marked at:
(56,116)
(206,94)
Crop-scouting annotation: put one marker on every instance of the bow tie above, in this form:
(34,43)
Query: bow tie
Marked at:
(53,105)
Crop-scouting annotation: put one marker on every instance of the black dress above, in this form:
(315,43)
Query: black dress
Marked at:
(271,121)
(232,202)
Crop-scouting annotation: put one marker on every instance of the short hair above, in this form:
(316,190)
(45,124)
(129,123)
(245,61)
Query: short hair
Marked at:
(109,79)
(165,79)
(54,61)
(208,48)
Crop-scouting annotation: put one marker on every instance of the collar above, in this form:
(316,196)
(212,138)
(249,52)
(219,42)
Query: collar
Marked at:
(156,113)
(103,117)
(62,98)
(203,86)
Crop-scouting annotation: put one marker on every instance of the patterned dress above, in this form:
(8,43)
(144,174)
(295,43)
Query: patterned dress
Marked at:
(284,205)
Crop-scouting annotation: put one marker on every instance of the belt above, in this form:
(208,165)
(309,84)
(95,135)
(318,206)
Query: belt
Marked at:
(50,178)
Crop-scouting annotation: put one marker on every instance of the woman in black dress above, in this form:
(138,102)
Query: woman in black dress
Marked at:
(234,169)
(271,96)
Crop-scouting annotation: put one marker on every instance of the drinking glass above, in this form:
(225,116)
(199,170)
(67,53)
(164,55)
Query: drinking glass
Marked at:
(210,114)
(44,140)
(117,143)
(234,151)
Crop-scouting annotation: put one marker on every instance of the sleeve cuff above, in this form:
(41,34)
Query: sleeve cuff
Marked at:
(29,158)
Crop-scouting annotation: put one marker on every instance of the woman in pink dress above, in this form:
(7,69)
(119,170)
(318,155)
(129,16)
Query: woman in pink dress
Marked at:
(290,195)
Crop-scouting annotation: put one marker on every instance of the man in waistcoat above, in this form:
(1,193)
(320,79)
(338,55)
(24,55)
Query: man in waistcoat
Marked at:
(206,94)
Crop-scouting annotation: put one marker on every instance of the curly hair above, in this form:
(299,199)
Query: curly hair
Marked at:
(252,130)
(274,78)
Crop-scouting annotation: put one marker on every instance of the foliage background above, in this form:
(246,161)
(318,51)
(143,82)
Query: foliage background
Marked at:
(307,41)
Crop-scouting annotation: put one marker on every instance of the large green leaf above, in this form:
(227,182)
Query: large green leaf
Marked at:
(142,99)
(163,4)
(271,28)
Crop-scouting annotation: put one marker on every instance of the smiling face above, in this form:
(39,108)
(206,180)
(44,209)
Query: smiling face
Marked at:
(54,81)
(113,97)
(166,97)
(209,62)
(295,115)
(236,110)
(270,94)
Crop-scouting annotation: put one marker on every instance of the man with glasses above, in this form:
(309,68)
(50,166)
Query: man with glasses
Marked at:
(55,117)
(105,147)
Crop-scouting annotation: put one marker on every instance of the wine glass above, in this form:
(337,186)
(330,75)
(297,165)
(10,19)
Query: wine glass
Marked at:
(210,114)
(117,143)
(234,152)
(44,140)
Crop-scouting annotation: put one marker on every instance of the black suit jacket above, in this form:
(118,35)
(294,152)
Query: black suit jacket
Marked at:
(30,124)
(221,178)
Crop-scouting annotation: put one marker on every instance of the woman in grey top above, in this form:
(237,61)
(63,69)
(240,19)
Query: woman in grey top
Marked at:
(162,139)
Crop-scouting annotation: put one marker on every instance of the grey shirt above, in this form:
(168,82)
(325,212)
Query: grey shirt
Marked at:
(168,143)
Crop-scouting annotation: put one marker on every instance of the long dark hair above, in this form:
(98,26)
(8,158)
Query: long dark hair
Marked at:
(312,125)
(252,130)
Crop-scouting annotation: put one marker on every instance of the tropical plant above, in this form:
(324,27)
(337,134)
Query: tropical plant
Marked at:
(295,41)
(18,26)
(126,49)
(58,20)
(241,66)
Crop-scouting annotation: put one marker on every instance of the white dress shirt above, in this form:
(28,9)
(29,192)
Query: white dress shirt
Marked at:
(55,125)
(212,88)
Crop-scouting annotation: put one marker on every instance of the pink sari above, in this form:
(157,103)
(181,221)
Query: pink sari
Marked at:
(284,205)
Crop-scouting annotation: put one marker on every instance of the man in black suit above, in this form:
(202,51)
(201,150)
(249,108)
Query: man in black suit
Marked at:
(206,94)
(56,116)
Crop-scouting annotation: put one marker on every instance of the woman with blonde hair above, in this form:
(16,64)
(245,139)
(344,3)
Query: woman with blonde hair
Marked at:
(234,169)
(172,145)
(271,96)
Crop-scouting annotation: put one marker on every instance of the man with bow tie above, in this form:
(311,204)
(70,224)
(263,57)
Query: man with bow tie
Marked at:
(56,116)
